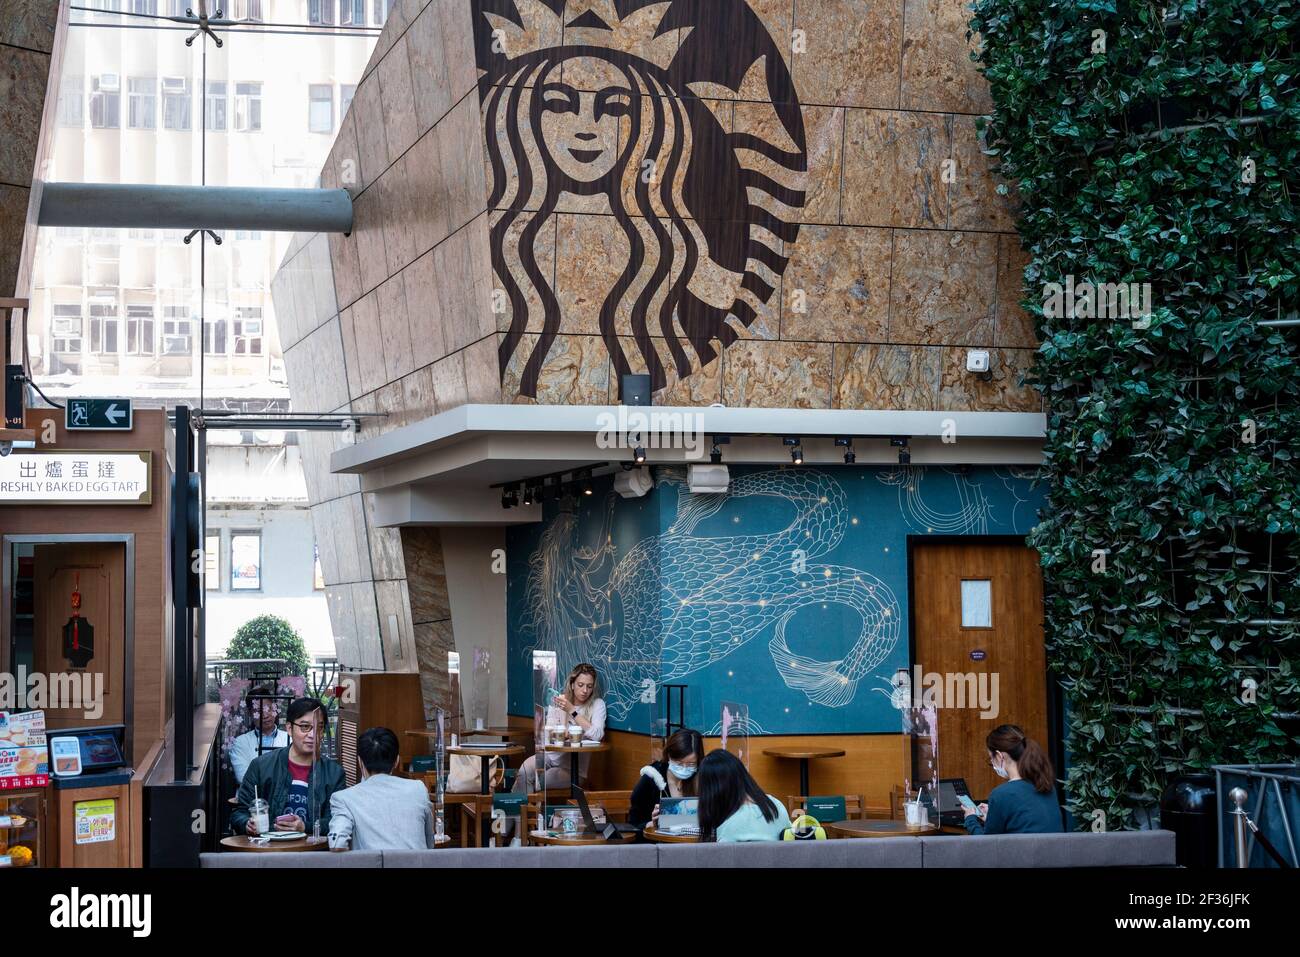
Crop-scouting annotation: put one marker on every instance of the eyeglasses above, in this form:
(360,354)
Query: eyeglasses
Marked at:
(305,726)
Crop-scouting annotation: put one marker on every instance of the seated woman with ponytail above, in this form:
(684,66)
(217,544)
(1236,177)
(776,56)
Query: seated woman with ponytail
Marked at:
(1026,803)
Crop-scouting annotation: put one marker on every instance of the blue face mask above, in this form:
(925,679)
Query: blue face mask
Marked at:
(682,772)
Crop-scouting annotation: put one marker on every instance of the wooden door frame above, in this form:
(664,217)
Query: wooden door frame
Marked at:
(1055,743)
(128,587)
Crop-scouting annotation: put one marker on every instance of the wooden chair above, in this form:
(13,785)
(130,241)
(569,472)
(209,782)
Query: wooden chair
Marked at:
(854,805)
(616,805)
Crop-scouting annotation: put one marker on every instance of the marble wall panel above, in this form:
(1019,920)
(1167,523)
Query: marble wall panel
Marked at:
(852,52)
(424,312)
(794,375)
(576,371)
(428,68)
(449,389)
(883,377)
(30,24)
(937,70)
(24,75)
(893,168)
(943,287)
(396,330)
(976,203)
(395,86)
(960,391)
(1015,326)
(837,286)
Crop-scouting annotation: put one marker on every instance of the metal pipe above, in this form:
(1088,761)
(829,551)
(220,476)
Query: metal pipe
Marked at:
(143,206)
(1238,797)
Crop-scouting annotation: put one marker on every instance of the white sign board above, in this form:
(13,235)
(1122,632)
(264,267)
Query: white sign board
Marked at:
(91,478)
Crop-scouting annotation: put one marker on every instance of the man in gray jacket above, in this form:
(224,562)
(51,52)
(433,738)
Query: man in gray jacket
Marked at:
(381,812)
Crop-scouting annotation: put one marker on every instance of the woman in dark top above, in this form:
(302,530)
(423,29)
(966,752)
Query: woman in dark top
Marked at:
(674,776)
(1026,803)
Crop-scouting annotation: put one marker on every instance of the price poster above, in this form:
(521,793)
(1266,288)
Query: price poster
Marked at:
(95,821)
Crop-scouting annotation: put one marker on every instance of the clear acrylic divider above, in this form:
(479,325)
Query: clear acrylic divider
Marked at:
(734,730)
(455,713)
(921,765)
(480,691)
(545,680)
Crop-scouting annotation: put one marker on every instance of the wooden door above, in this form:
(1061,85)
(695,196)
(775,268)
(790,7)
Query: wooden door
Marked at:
(1011,644)
(98,570)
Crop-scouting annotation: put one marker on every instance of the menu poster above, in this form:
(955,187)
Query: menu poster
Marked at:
(24,760)
(95,821)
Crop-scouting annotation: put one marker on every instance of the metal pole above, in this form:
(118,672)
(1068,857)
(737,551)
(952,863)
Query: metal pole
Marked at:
(1238,797)
(144,206)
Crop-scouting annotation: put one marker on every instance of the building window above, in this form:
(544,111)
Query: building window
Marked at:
(104,338)
(139,331)
(72,102)
(346,92)
(112,6)
(66,330)
(142,103)
(248,330)
(176,103)
(70,234)
(320,108)
(248,10)
(245,561)
(318,576)
(248,235)
(248,107)
(177,8)
(145,8)
(178,331)
(105,101)
(352,12)
(976,603)
(320,11)
(381,12)
(214,337)
(214,105)
(212,561)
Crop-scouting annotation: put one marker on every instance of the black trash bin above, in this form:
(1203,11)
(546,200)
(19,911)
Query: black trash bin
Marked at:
(1189,808)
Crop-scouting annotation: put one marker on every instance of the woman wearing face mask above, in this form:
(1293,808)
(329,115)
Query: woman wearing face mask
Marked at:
(1026,802)
(674,776)
(578,705)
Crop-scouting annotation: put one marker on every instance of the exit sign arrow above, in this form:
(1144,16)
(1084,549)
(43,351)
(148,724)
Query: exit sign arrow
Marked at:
(98,415)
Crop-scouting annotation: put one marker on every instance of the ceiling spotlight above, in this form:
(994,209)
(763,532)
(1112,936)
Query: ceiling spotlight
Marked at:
(715,454)
(904,456)
(584,482)
(530,495)
(846,443)
(510,496)
(795,445)
(639,455)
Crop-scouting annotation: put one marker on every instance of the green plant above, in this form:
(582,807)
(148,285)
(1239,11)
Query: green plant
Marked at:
(1165,154)
(269,636)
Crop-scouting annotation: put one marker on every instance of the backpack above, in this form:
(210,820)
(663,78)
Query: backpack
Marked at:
(804,828)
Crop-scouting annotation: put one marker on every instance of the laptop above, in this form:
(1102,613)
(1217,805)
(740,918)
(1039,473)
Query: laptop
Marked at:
(679,816)
(610,830)
(951,811)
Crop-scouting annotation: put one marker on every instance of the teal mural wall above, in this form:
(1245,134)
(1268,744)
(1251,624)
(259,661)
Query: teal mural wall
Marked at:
(788,595)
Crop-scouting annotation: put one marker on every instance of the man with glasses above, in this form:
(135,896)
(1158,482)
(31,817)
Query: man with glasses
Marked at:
(296,782)
(265,712)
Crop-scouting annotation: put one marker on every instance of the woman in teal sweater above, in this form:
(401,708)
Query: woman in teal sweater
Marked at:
(733,808)
(1026,803)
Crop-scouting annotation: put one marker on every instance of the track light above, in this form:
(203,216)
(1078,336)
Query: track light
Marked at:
(584,482)
(639,455)
(904,453)
(510,496)
(715,454)
(530,495)
(846,443)
(795,444)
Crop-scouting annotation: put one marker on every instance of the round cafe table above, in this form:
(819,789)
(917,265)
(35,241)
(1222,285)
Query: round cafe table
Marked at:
(573,754)
(873,828)
(556,839)
(656,836)
(804,755)
(508,734)
(304,843)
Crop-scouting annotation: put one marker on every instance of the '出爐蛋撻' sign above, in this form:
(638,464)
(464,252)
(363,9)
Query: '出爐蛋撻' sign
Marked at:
(90,478)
